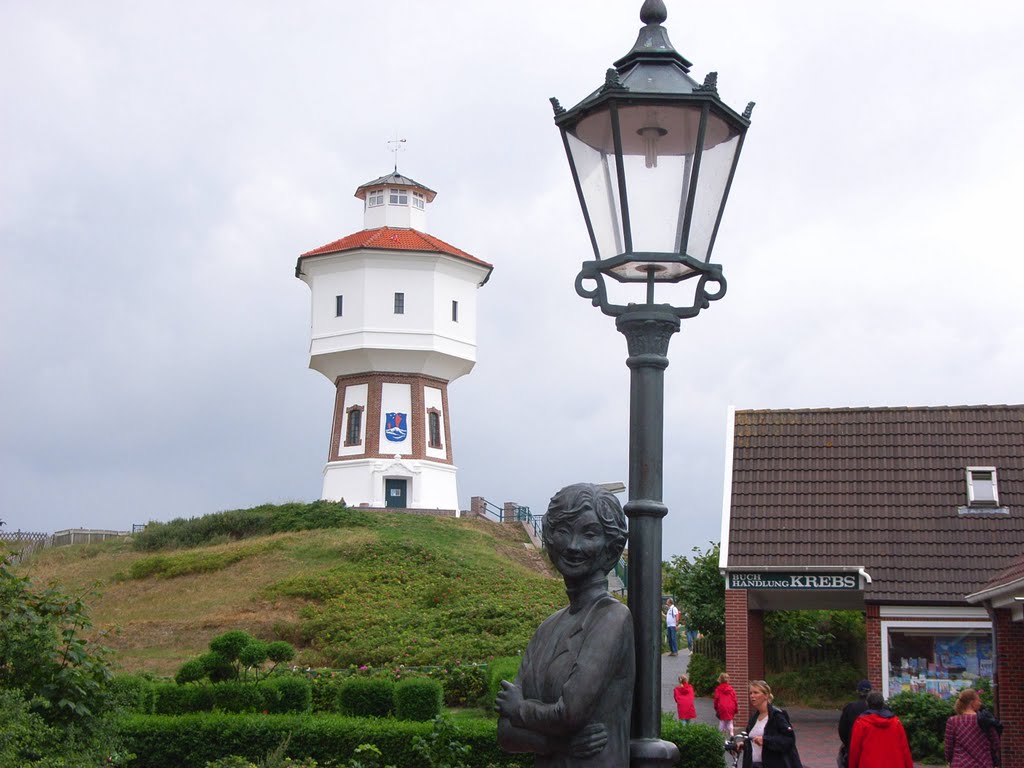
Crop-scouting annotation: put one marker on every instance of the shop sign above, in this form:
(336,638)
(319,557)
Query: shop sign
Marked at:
(775,580)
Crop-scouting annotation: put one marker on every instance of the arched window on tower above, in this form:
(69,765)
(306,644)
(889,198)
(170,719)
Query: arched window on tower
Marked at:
(354,426)
(434,428)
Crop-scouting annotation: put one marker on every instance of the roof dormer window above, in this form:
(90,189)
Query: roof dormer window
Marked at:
(418,201)
(398,197)
(982,487)
(374,198)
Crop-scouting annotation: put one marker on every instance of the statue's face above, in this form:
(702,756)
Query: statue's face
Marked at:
(578,545)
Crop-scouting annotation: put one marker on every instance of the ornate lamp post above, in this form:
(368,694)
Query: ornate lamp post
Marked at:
(652,154)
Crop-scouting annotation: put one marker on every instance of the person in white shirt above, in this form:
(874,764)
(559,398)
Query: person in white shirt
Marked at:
(672,624)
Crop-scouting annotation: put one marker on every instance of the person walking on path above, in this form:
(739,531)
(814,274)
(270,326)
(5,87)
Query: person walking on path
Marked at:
(685,703)
(672,626)
(967,745)
(851,712)
(878,739)
(726,705)
(770,742)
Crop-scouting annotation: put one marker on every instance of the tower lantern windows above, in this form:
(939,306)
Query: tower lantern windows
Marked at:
(398,196)
(375,198)
(418,201)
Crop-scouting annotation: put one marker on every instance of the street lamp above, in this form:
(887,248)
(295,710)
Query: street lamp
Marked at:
(652,154)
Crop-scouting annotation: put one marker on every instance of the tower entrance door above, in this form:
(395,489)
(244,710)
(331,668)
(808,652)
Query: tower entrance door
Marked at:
(395,493)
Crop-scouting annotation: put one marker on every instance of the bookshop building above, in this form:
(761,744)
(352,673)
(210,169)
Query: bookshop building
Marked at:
(914,516)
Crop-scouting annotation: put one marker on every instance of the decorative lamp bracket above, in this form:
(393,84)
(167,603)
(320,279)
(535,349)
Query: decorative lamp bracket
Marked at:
(657,269)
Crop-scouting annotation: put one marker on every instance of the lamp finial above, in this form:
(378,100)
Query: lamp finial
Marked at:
(653,12)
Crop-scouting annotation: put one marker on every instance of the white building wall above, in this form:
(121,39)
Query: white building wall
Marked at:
(361,482)
(355,394)
(432,399)
(395,398)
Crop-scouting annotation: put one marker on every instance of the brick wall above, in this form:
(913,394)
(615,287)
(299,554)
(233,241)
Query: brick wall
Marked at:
(737,648)
(873,640)
(1009,681)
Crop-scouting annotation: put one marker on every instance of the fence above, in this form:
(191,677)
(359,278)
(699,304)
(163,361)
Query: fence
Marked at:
(779,657)
(24,543)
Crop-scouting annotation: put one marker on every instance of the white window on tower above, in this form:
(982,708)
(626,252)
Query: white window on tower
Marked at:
(375,198)
(399,196)
(418,200)
(982,487)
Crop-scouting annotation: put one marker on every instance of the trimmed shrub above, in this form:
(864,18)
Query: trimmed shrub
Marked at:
(174,699)
(133,693)
(237,697)
(191,671)
(366,697)
(700,745)
(501,668)
(924,719)
(287,693)
(191,741)
(326,693)
(703,672)
(418,699)
(463,684)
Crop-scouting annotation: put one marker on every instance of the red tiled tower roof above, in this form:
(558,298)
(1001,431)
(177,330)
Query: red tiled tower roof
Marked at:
(392,239)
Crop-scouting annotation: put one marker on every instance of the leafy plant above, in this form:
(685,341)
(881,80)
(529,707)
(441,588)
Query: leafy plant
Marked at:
(699,589)
(442,747)
(232,654)
(703,672)
(924,719)
(45,653)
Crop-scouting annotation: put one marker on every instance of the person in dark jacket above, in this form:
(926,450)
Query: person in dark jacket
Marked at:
(878,739)
(851,712)
(770,741)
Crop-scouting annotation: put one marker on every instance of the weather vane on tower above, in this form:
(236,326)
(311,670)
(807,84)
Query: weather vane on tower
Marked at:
(395,146)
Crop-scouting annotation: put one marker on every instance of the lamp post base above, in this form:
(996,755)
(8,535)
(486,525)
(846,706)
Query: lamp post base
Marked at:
(652,753)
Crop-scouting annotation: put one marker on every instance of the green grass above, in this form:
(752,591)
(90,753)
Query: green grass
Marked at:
(375,589)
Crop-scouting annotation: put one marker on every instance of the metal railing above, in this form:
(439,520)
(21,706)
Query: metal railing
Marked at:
(524,515)
(493,510)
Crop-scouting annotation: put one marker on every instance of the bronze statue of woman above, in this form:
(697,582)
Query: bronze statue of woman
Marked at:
(571,701)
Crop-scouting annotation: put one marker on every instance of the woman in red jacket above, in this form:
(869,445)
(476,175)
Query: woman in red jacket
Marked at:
(683,694)
(725,704)
(878,739)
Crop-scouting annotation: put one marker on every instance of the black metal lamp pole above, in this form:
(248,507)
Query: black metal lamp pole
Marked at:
(652,154)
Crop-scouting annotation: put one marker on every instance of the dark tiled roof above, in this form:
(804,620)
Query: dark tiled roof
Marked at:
(1014,572)
(878,487)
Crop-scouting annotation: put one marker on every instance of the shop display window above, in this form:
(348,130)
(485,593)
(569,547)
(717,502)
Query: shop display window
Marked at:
(939,661)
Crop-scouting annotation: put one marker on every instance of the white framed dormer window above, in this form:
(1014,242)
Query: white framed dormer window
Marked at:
(982,487)
(398,196)
(418,201)
(375,198)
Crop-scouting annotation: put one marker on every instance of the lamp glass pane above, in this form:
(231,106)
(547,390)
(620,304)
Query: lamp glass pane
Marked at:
(598,177)
(715,165)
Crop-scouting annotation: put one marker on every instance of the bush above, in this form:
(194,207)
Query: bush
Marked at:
(703,672)
(418,699)
(237,697)
(194,740)
(366,697)
(133,693)
(286,693)
(700,746)
(825,684)
(326,693)
(924,719)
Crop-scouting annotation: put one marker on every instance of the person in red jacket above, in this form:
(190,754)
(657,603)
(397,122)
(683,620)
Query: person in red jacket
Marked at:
(683,694)
(878,739)
(725,704)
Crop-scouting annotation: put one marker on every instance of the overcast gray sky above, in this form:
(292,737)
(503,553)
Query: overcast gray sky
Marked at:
(162,164)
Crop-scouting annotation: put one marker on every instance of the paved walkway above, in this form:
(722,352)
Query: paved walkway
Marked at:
(816,735)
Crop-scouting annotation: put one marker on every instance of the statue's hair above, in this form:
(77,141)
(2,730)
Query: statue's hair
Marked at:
(568,503)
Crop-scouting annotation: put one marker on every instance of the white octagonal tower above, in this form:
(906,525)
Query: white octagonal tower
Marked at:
(393,322)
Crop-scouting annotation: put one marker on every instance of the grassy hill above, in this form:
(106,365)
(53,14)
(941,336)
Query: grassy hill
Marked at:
(377,588)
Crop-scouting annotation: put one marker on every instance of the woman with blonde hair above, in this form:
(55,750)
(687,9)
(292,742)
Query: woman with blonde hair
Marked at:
(967,745)
(771,742)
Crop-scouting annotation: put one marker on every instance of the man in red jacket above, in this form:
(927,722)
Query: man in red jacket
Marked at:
(878,739)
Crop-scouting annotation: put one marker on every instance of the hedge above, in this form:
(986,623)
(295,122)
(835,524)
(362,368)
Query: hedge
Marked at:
(502,668)
(190,741)
(276,695)
(366,697)
(417,699)
(703,672)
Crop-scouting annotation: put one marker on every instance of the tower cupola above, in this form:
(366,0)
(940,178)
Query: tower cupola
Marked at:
(395,201)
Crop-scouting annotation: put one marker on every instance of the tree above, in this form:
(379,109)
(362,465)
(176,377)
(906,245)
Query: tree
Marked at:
(44,654)
(232,655)
(699,589)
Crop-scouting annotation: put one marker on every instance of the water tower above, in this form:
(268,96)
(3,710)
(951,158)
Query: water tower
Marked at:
(393,322)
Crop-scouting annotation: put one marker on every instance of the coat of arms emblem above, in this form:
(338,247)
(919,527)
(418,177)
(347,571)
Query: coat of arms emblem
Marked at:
(396,426)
